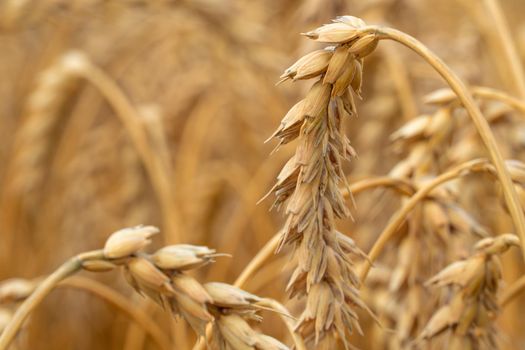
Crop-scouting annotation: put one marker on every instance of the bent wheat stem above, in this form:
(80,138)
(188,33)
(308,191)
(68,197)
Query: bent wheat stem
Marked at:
(400,216)
(124,305)
(403,186)
(481,124)
(494,94)
(258,260)
(67,269)
(154,166)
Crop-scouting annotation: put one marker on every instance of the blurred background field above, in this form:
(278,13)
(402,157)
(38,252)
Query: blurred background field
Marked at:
(118,113)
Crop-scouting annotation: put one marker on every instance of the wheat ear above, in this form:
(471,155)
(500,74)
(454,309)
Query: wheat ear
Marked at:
(474,282)
(162,277)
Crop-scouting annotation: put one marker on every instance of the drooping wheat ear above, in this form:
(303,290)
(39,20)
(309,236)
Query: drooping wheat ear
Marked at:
(162,277)
(468,316)
(308,186)
(515,169)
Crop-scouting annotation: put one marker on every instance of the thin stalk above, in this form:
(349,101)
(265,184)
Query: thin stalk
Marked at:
(136,336)
(494,94)
(248,191)
(401,82)
(258,260)
(266,252)
(114,298)
(193,143)
(267,276)
(48,284)
(487,32)
(481,124)
(402,186)
(509,49)
(401,215)
(512,292)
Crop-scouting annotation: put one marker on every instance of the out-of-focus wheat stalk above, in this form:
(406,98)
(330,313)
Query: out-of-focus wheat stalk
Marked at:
(446,96)
(458,171)
(124,305)
(517,73)
(156,166)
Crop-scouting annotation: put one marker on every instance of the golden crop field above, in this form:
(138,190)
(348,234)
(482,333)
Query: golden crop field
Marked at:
(262,174)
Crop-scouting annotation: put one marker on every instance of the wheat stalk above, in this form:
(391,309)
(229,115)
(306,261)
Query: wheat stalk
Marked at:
(446,96)
(122,304)
(394,223)
(402,186)
(16,290)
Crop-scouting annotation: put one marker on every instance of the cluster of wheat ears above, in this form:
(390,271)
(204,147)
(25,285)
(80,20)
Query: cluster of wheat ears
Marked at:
(432,275)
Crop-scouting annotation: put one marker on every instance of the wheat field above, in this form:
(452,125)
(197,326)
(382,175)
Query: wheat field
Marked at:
(265,175)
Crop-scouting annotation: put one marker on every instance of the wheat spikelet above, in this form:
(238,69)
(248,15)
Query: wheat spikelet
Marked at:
(467,317)
(15,289)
